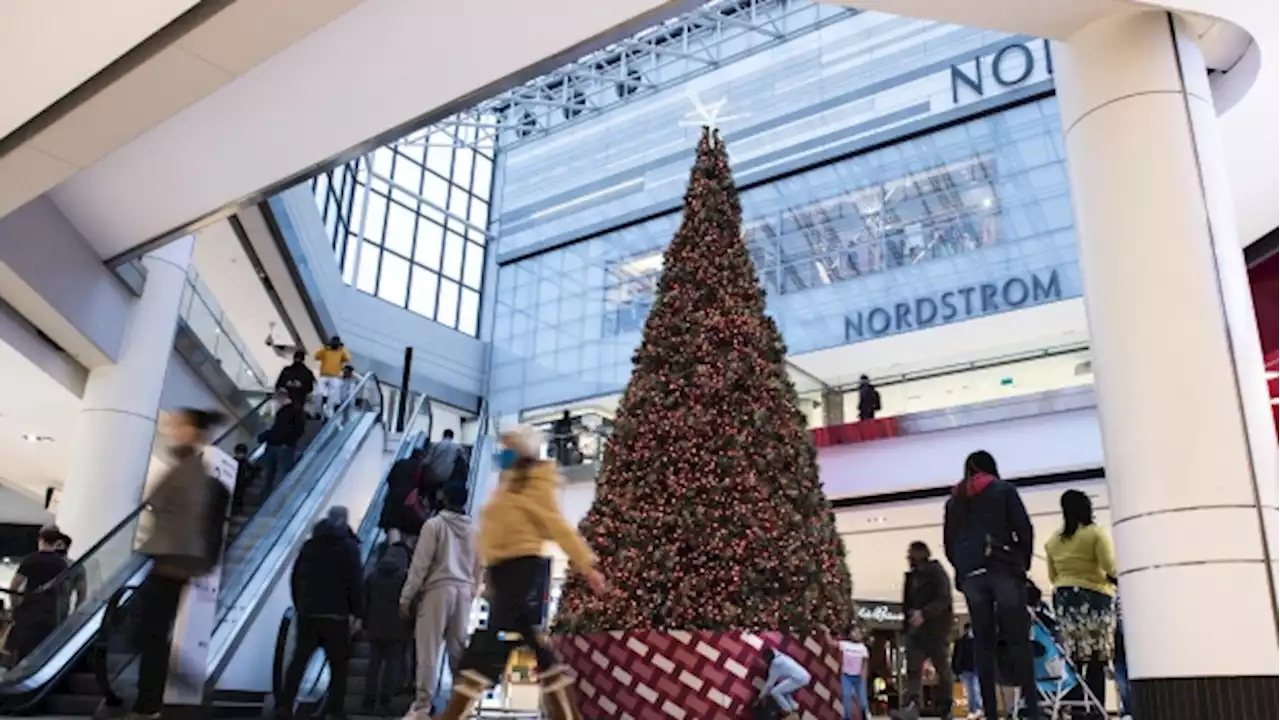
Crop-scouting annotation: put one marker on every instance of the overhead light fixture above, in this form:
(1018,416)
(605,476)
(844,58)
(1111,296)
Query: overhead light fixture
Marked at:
(33,438)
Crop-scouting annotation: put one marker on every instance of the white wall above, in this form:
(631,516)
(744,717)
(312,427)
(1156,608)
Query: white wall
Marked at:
(1025,447)
(318,98)
(19,508)
(1046,326)
(184,388)
(59,44)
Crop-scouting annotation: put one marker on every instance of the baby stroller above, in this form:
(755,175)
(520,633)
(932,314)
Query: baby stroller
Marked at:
(1063,693)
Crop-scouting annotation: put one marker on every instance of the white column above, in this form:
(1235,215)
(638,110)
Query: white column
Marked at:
(1190,452)
(117,422)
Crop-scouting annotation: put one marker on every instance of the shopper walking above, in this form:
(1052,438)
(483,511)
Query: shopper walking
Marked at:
(1081,562)
(281,440)
(520,517)
(405,507)
(442,458)
(988,538)
(441,582)
(188,519)
(297,379)
(36,603)
(328,594)
(853,674)
(386,629)
(332,358)
(868,399)
(926,602)
(962,666)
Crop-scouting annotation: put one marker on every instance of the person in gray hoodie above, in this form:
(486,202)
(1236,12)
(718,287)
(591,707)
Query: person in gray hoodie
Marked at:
(442,581)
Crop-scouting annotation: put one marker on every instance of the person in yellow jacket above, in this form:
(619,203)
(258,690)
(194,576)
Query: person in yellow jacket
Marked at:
(522,514)
(332,358)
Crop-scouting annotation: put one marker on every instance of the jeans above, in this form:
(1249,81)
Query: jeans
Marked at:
(935,650)
(386,672)
(855,686)
(333,635)
(781,694)
(158,608)
(277,461)
(998,608)
(971,690)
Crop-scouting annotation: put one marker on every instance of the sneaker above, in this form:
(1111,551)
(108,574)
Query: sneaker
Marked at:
(417,712)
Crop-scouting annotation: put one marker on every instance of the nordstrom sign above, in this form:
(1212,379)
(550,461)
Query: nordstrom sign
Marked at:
(1010,66)
(953,306)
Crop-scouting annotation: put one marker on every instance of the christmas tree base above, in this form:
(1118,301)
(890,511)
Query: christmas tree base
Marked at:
(696,675)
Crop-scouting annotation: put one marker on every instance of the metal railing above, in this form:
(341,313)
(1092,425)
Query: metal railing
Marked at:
(200,311)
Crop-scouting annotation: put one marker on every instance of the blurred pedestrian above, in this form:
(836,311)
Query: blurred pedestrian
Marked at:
(188,511)
(521,515)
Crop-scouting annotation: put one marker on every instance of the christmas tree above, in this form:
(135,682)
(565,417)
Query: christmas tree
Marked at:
(708,512)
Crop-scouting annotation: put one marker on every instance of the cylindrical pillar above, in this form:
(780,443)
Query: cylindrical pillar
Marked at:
(117,423)
(1190,456)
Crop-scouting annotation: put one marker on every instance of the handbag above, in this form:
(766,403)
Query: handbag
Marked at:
(414,503)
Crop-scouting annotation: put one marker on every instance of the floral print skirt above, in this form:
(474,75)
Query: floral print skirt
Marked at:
(1087,619)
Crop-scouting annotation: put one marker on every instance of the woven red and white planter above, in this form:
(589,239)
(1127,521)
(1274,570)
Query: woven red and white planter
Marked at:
(697,675)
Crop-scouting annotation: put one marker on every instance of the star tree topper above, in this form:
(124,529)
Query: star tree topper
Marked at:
(707,115)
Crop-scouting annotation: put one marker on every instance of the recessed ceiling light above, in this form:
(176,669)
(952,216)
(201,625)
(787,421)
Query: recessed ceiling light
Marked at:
(33,438)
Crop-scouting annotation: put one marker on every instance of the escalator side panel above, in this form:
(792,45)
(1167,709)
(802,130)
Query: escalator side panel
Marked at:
(242,656)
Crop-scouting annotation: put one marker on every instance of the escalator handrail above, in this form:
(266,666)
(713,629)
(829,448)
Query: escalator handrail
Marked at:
(76,567)
(369,537)
(253,412)
(368,531)
(233,588)
(281,494)
(86,611)
(113,617)
(279,660)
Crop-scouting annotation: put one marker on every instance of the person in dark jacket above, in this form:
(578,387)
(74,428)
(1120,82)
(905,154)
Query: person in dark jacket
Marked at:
(988,538)
(36,595)
(188,518)
(246,473)
(868,399)
(297,379)
(281,439)
(962,666)
(386,629)
(926,603)
(404,511)
(328,594)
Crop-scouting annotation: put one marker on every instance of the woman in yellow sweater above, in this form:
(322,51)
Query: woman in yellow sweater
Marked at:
(1082,568)
(521,516)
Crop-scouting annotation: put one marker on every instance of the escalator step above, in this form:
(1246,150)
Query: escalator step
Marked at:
(59,704)
(81,683)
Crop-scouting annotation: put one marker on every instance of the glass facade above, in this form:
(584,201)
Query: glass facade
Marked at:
(408,223)
(971,220)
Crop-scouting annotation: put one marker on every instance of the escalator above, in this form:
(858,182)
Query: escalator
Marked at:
(371,536)
(88,656)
